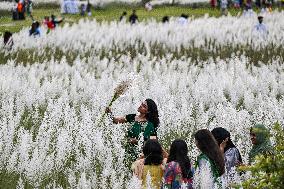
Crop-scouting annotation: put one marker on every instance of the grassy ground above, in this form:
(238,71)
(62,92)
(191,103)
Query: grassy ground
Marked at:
(109,13)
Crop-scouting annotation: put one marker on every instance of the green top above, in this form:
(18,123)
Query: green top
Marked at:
(147,128)
(263,145)
(213,166)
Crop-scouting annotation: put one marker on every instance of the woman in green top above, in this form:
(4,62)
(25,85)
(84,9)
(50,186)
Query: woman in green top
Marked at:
(211,157)
(259,136)
(146,122)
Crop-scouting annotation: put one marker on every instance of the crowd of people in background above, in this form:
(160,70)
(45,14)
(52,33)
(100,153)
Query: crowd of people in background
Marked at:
(174,169)
(24,7)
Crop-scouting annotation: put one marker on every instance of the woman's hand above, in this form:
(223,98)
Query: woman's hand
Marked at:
(165,153)
(133,141)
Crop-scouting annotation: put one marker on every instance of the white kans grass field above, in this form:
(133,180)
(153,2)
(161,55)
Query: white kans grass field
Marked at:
(51,134)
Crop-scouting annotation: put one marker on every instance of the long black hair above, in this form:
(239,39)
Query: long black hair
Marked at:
(209,146)
(178,153)
(153,114)
(7,36)
(152,151)
(220,134)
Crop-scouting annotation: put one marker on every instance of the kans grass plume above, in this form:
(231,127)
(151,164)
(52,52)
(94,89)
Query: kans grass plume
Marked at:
(120,90)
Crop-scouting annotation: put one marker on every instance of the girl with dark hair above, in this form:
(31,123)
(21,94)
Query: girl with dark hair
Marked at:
(146,122)
(8,41)
(34,31)
(232,156)
(211,157)
(178,172)
(152,164)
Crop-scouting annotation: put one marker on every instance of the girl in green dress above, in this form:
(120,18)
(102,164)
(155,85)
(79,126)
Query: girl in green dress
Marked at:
(145,123)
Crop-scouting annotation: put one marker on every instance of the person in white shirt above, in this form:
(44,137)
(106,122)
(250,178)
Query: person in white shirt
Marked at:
(148,6)
(261,28)
(224,7)
(183,19)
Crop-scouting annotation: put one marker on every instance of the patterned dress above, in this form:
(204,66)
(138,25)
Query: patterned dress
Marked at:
(173,177)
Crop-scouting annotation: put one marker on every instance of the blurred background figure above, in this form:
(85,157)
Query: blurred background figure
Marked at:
(28,7)
(133,17)
(183,19)
(83,9)
(148,6)
(35,29)
(55,21)
(8,41)
(165,19)
(69,6)
(123,16)
(260,29)
(248,12)
(88,9)
(224,7)
(236,4)
(21,10)
(213,3)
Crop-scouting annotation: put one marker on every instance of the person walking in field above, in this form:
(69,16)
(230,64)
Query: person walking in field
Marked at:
(133,17)
(122,18)
(260,29)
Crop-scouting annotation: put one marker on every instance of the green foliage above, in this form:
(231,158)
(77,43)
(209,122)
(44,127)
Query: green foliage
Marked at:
(156,50)
(268,172)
